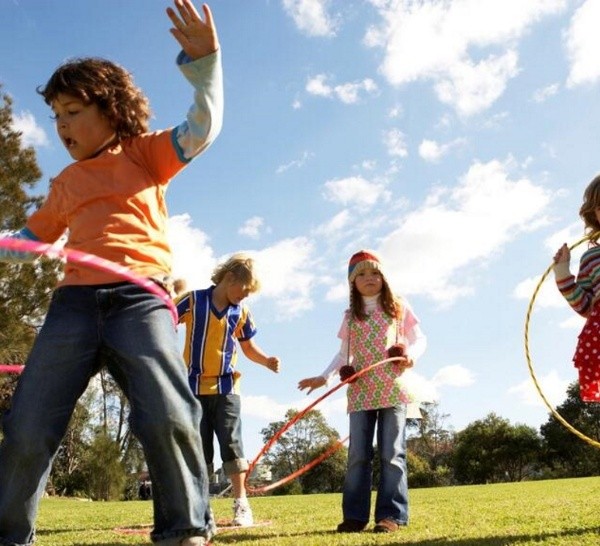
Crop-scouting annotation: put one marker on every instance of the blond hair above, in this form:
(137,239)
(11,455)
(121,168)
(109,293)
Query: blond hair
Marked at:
(242,267)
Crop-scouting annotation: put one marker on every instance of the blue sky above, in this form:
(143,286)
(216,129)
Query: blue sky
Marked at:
(453,137)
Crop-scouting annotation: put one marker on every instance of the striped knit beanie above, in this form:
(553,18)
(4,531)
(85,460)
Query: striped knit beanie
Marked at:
(363,259)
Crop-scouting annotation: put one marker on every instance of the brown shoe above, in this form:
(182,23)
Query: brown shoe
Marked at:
(351,526)
(386,526)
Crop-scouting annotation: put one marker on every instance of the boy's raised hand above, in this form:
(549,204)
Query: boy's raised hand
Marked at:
(196,37)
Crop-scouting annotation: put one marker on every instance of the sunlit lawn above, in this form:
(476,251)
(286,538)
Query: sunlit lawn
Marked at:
(557,512)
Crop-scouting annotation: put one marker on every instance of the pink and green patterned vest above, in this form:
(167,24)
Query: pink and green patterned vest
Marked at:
(369,341)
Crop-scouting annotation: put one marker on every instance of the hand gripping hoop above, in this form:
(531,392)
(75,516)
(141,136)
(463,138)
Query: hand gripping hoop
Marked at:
(555,413)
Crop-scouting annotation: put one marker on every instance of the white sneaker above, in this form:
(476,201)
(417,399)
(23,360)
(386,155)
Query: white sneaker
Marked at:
(212,524)
(194,541)
(242,513)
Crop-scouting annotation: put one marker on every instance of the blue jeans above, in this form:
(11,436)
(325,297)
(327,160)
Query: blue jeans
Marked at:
(136,330)
(392,493)
(221,415)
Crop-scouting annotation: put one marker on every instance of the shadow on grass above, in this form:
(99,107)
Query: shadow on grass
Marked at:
(399,538)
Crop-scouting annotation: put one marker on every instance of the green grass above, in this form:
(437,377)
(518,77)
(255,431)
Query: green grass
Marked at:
(557,512)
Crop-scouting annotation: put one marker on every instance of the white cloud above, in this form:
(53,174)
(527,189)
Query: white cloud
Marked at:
(335,226)
(348,93)
(582,41)
(395,142)
(431,151)
(311,16)
(31,133)
(471,88)
(458,230)
(574,322)
(287,271)
(252,227)
(298,163)
(543,94)
(570,235)
(453,376)
(317,86)
(338,292)
(443,42)
(193,258)
(551,384)
(355,191)
(264,407)
(396,112)
(548,295)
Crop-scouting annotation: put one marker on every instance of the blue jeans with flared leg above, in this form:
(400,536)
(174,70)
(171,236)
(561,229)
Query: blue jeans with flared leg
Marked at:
(136,330)
(392,492)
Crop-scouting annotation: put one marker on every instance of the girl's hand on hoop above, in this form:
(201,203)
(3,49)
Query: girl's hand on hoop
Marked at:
(563,254)
(404,362)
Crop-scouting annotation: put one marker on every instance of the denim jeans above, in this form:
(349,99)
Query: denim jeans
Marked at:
(136,330)
(221,415)
(392,492)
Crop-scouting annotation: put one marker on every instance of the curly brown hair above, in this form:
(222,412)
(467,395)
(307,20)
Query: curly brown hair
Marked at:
(591,201)
(106,84)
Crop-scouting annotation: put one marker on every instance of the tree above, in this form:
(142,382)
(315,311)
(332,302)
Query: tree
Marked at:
(491,450)
(433,440)
(309,437)
(25,289)
(328,475)
(564,453)
(105,476)
(67,476)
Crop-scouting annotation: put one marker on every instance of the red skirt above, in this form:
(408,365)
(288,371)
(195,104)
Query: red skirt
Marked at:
(587,358)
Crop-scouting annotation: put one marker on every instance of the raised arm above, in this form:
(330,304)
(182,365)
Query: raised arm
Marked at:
(200,63)
(579,292)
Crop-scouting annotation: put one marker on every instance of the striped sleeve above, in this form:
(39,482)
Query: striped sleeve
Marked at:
(18,256)
(582,291)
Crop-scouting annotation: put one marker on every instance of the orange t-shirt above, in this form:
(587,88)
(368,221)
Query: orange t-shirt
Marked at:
(114,207)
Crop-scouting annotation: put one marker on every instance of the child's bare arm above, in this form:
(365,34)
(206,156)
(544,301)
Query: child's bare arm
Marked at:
(253,352)
(196,37)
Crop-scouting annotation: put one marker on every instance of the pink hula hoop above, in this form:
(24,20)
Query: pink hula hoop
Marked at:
(11,368)
(292,422)
(83,258)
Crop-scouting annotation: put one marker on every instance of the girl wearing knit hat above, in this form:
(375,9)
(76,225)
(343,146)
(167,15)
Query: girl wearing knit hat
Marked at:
(377,326)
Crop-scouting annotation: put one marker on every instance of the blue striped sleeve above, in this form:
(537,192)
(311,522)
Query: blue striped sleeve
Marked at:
(18,256)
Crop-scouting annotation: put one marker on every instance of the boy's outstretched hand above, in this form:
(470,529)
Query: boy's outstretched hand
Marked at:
(273,364)
(196,37)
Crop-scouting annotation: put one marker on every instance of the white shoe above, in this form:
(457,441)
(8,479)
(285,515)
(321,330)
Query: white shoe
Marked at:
(242,513)
(194,541)
(212,524)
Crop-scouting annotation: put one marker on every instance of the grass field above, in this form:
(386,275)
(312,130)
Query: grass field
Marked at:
(557,512)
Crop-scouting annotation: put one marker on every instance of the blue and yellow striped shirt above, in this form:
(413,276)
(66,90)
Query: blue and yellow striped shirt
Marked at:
(210,344)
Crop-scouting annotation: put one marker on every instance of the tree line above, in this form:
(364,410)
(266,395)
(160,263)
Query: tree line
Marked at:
(488,450)
(100,458)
